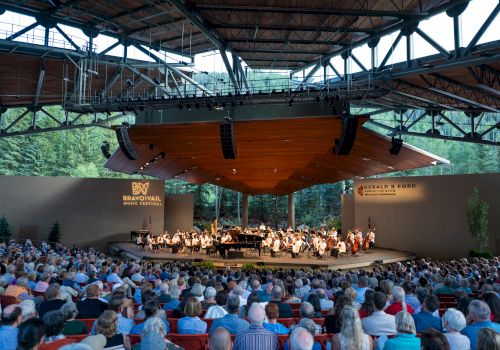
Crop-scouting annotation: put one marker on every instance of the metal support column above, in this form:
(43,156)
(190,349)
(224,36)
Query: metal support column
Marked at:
(291,210)
(244,210)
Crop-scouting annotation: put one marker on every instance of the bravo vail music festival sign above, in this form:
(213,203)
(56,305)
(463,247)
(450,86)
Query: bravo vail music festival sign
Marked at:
(139,196)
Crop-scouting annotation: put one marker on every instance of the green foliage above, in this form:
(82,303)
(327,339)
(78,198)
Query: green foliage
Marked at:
(478,254)
(55,233)
(4,229)
(248,267)
(477,218)
(205,265)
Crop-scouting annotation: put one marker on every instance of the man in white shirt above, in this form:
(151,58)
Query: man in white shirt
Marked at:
(379,323)
(276,247)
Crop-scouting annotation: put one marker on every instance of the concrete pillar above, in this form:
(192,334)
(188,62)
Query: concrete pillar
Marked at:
(291,210)
(244,210)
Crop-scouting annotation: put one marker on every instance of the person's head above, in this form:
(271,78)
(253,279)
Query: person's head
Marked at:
(154,325)
(233,304)
(220,339)
(256,314)
(153,340)
(276,293)
(69,311)
(306,310)
(431,339)
(308,324)
(92,291)
(479,311)
(363,281)
(301,339)
(405,323)
(350,293)
(174,292)
(493,301)
(488,339)
(210,293)
(54,323)
(150,308)
(255,284)
(431,303)
(237,290)
(398,294)
(11,315)
(30,334)
(107,324)
(193,307)
(272,311)
(116,303)
(95,342)
(352,330)
(453,320)
(28,309)
(221,298)
(313,299)
(53,291)
(197,290)
(380,300)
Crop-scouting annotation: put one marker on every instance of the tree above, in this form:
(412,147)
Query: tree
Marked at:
(477,217)
(55,234)
(4,228)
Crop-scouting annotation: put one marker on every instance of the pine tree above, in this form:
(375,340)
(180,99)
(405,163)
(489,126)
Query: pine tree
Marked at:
(4,229)
(55,234)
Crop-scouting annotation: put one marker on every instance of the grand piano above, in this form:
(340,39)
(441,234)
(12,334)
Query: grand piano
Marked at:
(240,240)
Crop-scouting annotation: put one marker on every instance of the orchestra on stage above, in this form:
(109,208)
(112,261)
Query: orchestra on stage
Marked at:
(320,243)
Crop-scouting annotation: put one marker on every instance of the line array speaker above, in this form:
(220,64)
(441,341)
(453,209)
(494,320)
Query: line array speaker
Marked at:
(396,146)
(125,143)
(349,128)
(105,149)
(227,140)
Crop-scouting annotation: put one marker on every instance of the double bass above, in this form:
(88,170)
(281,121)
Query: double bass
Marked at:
(366,243)
(355,246)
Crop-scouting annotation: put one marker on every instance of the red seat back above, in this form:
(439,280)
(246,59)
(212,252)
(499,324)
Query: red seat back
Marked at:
(190,341)
(282,339)
(322,339)
(89,322)
(134,339)
(173,324)
(56,344)
(295,306)
(8,300)
(209,322)
(287,322)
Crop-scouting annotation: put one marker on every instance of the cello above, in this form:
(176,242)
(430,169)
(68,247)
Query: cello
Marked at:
(355,246)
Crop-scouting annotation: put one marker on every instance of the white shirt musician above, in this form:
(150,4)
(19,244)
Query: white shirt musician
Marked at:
(276,246)
(262,227)
(226,238)
(322,248)
(371,237)
(297,245)
(139,240)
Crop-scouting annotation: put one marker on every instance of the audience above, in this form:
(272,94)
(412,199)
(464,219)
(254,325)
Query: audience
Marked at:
(91,306)
(425,320)
(231,321)
(301,339)
(285,310)
(107,325)
(477,318)
(256,336)
(379,323)
(488,339)
(406,334)
(272,315)
(11,318)
(31,334)
(218,311)
(54,325)
(432,339)
(351,335)
(219,339)
(398,303)
(453,323)
(53,300)
(72,326)
(191,323)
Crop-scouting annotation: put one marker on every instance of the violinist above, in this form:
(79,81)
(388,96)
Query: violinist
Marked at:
(370,239)
(297,245)
(349,241)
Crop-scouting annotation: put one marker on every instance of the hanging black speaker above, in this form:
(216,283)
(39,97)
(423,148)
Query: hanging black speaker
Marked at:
(125,143)
(349,128)
(227,141)
(105,149)
(396,146)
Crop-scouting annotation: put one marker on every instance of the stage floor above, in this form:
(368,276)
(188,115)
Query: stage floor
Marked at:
(381,255)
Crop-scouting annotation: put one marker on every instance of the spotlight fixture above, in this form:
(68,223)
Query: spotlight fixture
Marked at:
(130,83)
(397,143)
(105,149)
(233,171)
(157,82)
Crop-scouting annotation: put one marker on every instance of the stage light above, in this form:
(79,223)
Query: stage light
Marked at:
(397,143)
(233,171)
(105,149)
(130,83)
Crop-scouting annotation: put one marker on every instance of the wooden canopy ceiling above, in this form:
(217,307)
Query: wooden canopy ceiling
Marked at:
(273,156)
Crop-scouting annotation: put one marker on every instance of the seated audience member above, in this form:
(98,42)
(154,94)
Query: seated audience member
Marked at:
(446,288)
(11,318)
(256,336)
(150,310)
(54,325)
(285,310)
(72,326)
(42,285)
(156,326)
(333,322)
(307,311)
(351,335)
(231,320)
(91,306)
(324,302)
(107,325)
(174,302)
(351,294)
(310,326)
(209,299)
(453,323)
(410,298)
(164,293)
(301,339)
(53,300)
(379,323)
(191,323)
(218,311)
(252,298)
(292,298)
(20,288)
(368,306)
(398,297)
(272,325)
(125,324)
(256,287)
(313,299)
(31,334)
(405,338)
(220,339)
(488,339)
(431,339)
(237,290)
(197,291)
(28,310)
(424,319)
(493,301)
(477,318)
(361,289)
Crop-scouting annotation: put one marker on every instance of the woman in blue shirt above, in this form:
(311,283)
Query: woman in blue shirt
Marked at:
(406,337)
(191,323)
(272,313)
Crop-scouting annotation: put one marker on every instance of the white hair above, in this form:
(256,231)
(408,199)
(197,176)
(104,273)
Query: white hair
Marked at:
(210,292)
(301,339)
(480,309)
(454,320)
(256,314)
(154,325)
(27,309)
(398,294)
(164,288)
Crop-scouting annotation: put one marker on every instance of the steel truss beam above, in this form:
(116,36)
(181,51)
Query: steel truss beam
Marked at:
(147,79)
(328,29)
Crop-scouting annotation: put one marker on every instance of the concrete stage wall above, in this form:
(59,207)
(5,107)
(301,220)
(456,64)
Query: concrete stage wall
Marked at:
(179,212)
(90,211)
(426,215)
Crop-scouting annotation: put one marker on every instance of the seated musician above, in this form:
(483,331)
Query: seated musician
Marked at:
(339,248)
(159,242)
(195,242)
(322,248)
(371,237)
(276,246)
(226,238)
(209,244)
(165,236)
(139,241)
(297,245)
(187,243)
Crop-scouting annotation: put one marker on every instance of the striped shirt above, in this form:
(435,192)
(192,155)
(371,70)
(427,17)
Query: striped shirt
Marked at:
(256,337)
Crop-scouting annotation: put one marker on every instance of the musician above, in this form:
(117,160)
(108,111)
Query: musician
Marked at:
(195,241)
(349,240)
(262,227)
(297,245)
(371,237)
(226,238)
(276,246)
(140,241)
(159,242)
(188,244)
(149,241)
(339,248)
(322,248)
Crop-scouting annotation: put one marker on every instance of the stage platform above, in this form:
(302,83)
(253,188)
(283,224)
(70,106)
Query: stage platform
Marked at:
(373,256)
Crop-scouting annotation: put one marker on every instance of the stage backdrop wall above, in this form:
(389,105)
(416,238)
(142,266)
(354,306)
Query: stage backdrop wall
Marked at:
(179,212)
(90,211)
(426,215)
